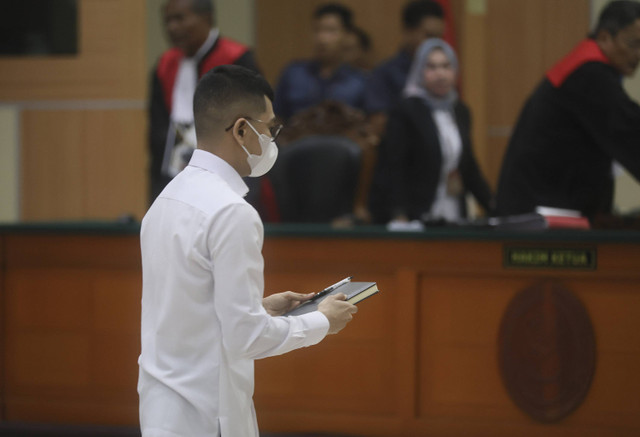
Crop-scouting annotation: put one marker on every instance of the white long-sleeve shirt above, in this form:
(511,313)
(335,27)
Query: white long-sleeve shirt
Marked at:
(203,323)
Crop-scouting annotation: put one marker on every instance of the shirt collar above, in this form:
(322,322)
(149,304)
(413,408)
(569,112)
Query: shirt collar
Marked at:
(214,164)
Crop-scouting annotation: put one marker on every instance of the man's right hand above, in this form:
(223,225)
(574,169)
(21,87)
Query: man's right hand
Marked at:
(338,311)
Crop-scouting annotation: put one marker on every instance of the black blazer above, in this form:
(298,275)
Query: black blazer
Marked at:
(410,160)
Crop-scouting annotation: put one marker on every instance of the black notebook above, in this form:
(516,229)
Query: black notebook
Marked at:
(355,292)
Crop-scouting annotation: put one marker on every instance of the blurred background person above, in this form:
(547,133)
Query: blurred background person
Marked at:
(197,47)
(326,76)
(426,165)
(577,121)
(357,49)
(421,19)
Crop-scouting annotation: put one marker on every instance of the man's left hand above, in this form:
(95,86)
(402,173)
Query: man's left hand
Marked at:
(281,303)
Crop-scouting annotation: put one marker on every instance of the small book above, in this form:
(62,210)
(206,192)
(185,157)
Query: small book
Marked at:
(535,222)
(558,218)
(355,292)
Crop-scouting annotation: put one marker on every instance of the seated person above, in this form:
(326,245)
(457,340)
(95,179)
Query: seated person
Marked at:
(304,84)
(576,123)
(426,163)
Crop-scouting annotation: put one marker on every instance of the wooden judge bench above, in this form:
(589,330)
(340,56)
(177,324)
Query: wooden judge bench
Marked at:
(474,332)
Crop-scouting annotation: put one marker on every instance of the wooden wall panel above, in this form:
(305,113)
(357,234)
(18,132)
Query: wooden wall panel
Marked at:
(472,53)
(459,306)
(362,379)
(52,169)
(72,330)
(419,359)
(111,63)
(83,164)
(497,140)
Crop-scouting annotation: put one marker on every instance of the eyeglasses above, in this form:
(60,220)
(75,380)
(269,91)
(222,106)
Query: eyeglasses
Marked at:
(273,130)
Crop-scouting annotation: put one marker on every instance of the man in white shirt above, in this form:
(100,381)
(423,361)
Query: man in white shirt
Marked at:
(204,318)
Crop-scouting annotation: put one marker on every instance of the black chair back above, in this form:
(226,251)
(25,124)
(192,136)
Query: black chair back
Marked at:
(315,178)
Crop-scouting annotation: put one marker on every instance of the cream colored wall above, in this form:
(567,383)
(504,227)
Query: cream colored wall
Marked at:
(627,188)
(627,196)
(235,18)
(9,176)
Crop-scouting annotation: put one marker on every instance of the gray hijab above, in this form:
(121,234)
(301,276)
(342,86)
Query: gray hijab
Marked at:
(414,87)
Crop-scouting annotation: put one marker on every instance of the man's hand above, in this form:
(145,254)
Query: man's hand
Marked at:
(338,311)
(281,303)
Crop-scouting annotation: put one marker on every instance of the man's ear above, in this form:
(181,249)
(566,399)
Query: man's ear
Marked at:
(239,129)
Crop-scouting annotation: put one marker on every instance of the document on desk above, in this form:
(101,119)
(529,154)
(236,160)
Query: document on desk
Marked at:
(355,292)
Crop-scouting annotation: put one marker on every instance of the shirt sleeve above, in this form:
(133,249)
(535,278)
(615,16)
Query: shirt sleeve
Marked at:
(248,331)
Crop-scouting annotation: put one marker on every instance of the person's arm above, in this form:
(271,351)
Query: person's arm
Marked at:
(235,243)
(279,304)
(472,176)
(338,312)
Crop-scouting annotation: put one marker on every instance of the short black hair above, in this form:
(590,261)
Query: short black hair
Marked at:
(415,11)
(204,7)
(226,93)
(616,16)
(343,12)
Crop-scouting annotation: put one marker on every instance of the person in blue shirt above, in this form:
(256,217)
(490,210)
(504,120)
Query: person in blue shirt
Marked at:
(326,76)
(421,19)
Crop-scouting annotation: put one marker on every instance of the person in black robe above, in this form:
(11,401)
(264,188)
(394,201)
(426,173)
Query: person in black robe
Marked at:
(577,122)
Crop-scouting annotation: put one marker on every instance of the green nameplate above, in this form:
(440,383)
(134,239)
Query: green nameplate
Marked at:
(544,257)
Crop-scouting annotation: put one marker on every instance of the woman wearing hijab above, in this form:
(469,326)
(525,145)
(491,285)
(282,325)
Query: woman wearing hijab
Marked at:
(426,159)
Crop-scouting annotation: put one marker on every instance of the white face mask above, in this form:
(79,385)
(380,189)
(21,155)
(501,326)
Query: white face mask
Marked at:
(261,164)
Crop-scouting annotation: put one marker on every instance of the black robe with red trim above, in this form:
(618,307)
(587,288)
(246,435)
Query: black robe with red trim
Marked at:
(224,51)
(573,126)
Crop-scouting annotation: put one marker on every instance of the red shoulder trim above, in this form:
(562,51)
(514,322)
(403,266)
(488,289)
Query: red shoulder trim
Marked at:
(225,51)
(167,72)
(586,51)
